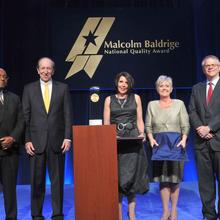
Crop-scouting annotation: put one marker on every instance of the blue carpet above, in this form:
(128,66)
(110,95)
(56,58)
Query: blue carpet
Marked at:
(149,206)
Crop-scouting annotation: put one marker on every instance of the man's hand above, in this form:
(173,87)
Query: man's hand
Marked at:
(30,148)
(66,145)
(209,136)
(203,131)
(6,142)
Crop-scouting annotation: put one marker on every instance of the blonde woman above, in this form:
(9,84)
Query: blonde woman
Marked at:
(167,127)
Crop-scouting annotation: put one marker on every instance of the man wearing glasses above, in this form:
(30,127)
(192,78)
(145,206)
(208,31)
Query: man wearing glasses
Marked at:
(11,128)
(204,112)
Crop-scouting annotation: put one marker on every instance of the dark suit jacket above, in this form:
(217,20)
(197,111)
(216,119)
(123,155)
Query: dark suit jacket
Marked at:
(44,129)
(201,114)
(11,120)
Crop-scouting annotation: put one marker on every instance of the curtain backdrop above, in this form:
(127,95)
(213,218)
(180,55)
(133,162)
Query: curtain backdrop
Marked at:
(26,35)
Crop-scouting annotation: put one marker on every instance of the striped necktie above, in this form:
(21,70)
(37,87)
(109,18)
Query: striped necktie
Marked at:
(46,97)
(1,98)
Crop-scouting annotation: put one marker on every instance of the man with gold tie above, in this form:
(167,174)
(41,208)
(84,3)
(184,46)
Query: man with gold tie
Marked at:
(48,115)
(11,129)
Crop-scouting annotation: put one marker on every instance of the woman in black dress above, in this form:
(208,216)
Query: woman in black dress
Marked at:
(125,110)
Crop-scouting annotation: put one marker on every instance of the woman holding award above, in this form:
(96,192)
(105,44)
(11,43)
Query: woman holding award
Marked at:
(125,110)
(167,127)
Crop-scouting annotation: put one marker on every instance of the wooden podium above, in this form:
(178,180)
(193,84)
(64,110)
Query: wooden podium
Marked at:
(95,172)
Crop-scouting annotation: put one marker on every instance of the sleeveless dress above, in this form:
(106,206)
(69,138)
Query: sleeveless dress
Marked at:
(132,160)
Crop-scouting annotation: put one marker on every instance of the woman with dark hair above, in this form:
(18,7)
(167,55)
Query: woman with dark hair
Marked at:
(167,127)
(125,110)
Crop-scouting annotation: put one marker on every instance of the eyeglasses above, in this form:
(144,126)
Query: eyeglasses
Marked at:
(210,65)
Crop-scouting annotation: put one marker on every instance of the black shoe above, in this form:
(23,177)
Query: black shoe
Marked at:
(205,218)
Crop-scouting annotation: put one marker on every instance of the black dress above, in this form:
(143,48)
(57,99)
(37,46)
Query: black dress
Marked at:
(132,160)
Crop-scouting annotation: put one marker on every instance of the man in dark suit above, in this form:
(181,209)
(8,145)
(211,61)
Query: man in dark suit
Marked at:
(204,112)
(11,128)
(48,115)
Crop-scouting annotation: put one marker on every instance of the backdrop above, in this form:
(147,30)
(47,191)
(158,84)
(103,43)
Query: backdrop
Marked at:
(91,46)
(96,49)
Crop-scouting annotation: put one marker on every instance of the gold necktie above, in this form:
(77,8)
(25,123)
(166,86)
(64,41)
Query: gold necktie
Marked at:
(46,97)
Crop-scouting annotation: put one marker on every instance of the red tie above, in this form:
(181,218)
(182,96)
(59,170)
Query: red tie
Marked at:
(209,93)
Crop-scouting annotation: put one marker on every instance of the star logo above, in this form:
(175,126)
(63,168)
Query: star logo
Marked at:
(90,38)
(84,53)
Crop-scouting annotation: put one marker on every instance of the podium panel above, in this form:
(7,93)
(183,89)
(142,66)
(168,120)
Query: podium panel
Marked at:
(95,172)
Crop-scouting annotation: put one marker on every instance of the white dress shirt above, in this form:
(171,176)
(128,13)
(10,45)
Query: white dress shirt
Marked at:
(214,82)
(42,85)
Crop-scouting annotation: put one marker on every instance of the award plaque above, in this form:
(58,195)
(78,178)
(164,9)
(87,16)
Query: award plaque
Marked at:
(94,97)
(95,106)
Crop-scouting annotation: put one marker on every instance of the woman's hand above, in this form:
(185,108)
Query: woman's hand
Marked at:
(153,142)
(182,144)
(142,135)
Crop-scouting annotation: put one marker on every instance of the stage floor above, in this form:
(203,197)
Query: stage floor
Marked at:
(149,206)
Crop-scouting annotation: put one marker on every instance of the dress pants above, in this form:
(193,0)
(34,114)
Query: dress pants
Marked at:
(8,178)
(55,163)
(208,165)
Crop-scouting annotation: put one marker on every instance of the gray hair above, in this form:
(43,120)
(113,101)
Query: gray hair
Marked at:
(210,57)
(48,58)
(163,78)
